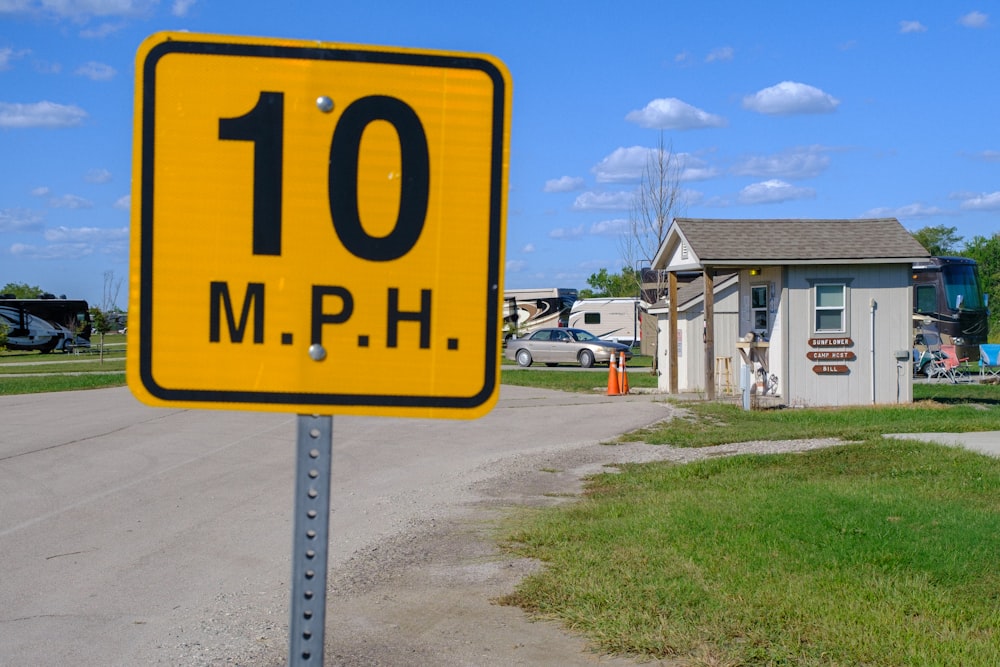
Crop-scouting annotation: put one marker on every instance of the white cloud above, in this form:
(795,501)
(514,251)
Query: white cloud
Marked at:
(623,165)
(906,27)
(85,234)
(65,243)
(626,165)
(97,176)
(77,9)
(790,97)
(124,203)
(917,210)
(974,20)
(516,266)
(102,30)
(41,191)
(773,191)
(800,162)
(720,54)
(57,251)
(20,220)
(181,7)
(71,202)
(589,201)
(40,114)
(567,233)
(615,227)
(9,55)
(564,184)
(96,71)
(673,114)
(528,248)
(989,156)
(987,201)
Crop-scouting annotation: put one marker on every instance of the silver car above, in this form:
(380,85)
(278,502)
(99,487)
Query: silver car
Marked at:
(564,346)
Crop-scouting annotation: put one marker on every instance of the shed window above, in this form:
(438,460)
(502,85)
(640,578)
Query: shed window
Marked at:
(758,308)
(830,301)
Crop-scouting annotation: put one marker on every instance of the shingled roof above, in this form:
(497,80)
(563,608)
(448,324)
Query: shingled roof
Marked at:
(738,242)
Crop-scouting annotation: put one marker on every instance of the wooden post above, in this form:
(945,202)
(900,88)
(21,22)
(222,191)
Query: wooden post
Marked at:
(709,335)
(672,332)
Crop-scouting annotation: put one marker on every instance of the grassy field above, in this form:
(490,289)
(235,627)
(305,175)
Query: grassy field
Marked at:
(879,552)
(33,372)
(876,553)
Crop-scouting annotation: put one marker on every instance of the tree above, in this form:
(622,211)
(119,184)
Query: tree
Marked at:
(986,252)
(654,205)
(109,296)
(22,290)
(102,323)
(606,284)
(656,202)
(939,240)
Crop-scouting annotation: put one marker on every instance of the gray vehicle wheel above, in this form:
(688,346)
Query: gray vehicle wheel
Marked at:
(586,359)
(523,358)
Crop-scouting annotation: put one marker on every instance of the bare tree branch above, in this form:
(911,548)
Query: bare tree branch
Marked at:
(655,204)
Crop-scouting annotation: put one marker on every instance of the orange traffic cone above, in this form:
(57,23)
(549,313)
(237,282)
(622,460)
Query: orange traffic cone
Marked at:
(613,388)
(623,375)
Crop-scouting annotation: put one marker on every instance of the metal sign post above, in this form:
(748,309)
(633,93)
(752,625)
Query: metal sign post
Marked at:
(310,541)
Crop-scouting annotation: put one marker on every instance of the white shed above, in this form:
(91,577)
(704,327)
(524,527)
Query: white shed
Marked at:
(827,304)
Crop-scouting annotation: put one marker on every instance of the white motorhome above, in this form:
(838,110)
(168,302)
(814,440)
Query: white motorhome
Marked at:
(614,318)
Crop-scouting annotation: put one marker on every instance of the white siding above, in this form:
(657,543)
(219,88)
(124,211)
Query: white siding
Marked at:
(888,286)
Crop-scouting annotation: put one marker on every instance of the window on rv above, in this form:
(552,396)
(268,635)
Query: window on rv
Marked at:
(591,318)
(830,301)
(926,298)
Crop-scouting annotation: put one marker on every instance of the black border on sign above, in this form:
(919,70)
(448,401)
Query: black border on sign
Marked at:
(333,53)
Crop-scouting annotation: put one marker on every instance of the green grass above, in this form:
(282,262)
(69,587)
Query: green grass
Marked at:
(879,553)
(70,364)
(23,372)
(874,553)
(575,381)
(42,384)
(712,423)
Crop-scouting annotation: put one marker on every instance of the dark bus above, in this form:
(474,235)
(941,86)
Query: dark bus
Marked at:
(45,324)
(948,295)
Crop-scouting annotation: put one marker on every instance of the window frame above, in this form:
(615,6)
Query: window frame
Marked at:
(757,309)
(845,307)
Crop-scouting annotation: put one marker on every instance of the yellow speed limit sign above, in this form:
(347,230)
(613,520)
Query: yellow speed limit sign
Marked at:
(317,228)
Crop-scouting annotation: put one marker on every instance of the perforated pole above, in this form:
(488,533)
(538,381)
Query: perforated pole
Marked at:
(310,540)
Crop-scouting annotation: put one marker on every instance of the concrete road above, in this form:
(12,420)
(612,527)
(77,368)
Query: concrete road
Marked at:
(134,536)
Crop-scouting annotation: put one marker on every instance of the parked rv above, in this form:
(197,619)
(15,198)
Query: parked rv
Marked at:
(614,318)
(526,310)
(46,324)
(947,292)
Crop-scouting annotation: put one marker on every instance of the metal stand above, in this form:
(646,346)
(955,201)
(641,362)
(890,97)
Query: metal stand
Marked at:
(310,540)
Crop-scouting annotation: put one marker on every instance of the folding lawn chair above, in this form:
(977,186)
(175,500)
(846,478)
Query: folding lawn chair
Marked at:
(949,366)
(989,360)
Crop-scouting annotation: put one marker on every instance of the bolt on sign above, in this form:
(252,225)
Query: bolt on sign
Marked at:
(317,228)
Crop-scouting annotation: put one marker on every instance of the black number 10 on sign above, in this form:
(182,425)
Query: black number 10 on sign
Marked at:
(264,127)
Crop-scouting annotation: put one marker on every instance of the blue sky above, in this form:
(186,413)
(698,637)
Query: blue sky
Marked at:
(774,110)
